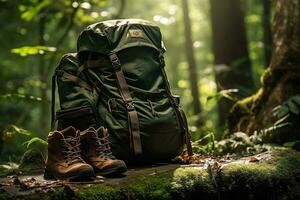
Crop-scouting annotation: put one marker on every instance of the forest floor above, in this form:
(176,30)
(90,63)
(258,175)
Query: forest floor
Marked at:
(269,175)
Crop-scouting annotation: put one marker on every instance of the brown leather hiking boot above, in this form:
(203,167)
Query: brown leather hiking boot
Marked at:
(96,151)
(64,159)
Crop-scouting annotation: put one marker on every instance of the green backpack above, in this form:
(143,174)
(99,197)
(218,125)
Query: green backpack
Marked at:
(117,80)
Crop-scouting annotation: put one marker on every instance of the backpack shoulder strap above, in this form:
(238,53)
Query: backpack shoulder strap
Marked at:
(179,112)
(133,120)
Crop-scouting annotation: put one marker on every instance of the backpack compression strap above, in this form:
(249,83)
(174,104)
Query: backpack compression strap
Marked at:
(180,114)
(133,120)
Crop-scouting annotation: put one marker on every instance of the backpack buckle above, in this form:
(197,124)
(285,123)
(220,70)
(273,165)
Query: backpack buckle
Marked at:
(161,60)
(114,61)
(58,72)
(130,106)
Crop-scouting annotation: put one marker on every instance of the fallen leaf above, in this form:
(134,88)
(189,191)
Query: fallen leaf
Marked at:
(253,159)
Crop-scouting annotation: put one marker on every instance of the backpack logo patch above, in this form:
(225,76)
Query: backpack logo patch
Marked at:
(135,33)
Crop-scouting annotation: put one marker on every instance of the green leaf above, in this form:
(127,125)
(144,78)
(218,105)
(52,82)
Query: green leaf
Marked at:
(217,97)
(293,108)
(209,136)
(32,50)
(21,97)
(34,140)
(276,109)
(224,94)
(12,130)
(34,10)
(291,144)
(278,122)
(296,99)
(282,111)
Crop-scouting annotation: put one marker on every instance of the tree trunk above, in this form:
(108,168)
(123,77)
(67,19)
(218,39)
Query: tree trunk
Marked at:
(190,58)
(44,124)
(279,82)
(267,33)
(231,58)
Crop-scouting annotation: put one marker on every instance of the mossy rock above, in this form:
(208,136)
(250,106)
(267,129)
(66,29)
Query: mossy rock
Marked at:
(274,175)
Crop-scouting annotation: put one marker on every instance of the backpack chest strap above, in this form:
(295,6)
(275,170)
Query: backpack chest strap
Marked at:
(133,119)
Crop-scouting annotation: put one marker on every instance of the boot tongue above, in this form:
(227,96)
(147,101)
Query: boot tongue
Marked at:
(69,132)
(102,132)
(89,132)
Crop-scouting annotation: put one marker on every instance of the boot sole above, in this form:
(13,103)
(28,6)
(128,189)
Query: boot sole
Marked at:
(111,171)
(81,175)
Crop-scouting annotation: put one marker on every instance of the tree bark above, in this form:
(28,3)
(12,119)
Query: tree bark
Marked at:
(231,57)
(279,82)
(43,78)
(197,108)
(267,32)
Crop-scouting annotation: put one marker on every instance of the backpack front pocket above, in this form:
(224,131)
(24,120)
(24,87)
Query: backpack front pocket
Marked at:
(81,118)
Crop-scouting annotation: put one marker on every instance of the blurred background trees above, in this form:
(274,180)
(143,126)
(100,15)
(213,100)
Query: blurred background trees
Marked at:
(216,52)
(232,67)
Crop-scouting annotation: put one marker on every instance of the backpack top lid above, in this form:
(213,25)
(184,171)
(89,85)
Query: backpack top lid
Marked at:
(115,35)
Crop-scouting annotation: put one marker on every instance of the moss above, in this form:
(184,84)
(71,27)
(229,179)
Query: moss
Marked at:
(190,182)
(100,192)
(145,187)
(276,179)
(151,187)
(240,115)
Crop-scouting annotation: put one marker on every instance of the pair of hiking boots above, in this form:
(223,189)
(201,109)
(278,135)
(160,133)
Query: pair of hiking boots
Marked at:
(80,155)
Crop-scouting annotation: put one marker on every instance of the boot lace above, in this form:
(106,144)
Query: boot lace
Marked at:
(72,150)
(103,149)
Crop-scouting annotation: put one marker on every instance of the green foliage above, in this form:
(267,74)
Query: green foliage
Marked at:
(32,162)
(260,140)
(37,144)
(224,94)
(11,139)
(35,140)
(293,144)
(16,141)
(8,168)
(284,114)
(20,97)
(205,145)
(13,130)
(32,50)
(291,105)
(29,12)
